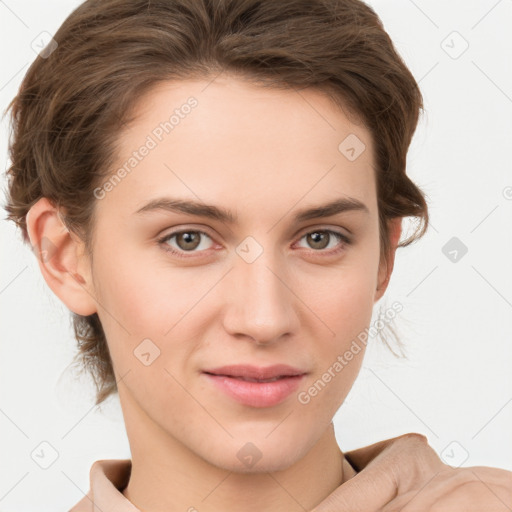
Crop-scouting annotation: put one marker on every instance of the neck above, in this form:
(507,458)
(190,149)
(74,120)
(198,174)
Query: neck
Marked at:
(166,475)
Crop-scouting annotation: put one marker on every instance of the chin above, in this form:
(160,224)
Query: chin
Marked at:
(259,454)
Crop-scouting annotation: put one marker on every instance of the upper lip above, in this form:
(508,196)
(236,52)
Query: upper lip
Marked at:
(256,372)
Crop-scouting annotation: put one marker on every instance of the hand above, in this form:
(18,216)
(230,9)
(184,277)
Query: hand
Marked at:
(404,474)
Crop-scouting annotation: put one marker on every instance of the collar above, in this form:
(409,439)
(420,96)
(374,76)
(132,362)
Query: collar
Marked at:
(108,479)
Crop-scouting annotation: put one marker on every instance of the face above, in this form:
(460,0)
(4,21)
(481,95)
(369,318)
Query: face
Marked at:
(180,294)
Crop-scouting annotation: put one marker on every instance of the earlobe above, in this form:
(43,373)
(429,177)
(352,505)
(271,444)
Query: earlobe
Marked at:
(60,257)
(385,271)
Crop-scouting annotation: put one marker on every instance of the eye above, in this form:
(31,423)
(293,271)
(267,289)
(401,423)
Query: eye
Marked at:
(186,241)
(319,239)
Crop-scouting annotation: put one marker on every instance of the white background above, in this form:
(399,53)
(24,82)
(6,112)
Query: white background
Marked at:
(456,386)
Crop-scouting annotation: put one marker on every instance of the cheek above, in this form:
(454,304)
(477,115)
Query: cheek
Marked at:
(344,302)
(143,295)
(345,308)
(150,314)
(325,391)
(356,306)
(130,302)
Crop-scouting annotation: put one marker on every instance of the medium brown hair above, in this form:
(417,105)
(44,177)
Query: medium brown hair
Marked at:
(73,103)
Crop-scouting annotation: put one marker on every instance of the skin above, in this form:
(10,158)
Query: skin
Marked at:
(263,154)
(404,474)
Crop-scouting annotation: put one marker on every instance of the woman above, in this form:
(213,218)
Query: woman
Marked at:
(215,190)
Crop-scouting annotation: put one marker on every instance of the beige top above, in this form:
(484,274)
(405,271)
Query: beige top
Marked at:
(108,479)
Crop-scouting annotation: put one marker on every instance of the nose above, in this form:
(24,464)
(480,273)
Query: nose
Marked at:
(261,304)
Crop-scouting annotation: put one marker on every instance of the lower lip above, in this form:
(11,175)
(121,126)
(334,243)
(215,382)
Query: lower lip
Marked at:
(257,394)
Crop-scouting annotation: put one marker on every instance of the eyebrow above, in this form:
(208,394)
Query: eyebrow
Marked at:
(217,213)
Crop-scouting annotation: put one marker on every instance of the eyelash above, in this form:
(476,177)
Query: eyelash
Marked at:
(180,254)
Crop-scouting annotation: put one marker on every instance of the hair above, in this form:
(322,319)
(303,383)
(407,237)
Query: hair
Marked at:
(74,101)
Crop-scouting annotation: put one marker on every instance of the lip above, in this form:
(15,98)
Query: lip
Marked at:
(256,372)
(229,379)
(256,394)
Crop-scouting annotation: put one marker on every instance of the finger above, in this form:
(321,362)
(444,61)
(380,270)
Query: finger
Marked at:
(361,457)
(471,489)
(404,444)
(468,498)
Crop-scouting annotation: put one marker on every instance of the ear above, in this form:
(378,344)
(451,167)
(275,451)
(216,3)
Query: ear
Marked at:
(385,269)
(61,258)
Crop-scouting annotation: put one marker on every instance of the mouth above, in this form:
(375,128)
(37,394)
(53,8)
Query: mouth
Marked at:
(256,386)
(256,373)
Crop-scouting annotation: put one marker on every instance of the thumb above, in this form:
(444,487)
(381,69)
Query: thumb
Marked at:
(368,491)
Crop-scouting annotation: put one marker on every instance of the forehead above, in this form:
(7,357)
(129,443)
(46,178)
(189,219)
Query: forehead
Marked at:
(233,141)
